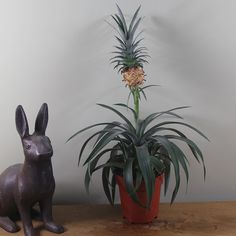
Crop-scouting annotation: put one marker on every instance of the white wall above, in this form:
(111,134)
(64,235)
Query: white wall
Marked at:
(58,52)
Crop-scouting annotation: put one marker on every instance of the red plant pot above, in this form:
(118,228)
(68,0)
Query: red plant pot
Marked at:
(132,211)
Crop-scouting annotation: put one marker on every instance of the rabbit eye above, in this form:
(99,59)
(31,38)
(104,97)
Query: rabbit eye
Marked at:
(28,146)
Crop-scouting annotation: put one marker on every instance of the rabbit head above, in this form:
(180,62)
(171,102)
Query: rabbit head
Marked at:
(36,146)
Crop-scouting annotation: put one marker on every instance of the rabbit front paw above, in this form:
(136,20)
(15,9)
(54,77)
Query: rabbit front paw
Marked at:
(55,228)
(30,231)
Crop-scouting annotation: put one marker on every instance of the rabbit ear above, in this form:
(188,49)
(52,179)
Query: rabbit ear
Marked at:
(21,122)
(42,120)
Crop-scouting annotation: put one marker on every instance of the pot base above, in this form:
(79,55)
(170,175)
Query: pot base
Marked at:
(134,213)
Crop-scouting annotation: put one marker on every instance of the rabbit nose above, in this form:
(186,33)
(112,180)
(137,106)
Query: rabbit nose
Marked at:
(45,154)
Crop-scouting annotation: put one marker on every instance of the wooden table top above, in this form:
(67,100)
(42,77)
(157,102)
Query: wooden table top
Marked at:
(190,219)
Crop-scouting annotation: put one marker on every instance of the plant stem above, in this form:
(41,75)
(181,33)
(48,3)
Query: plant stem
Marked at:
(136,103)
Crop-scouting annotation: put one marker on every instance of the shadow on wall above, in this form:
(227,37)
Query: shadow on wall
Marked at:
(178,51)
(86,65)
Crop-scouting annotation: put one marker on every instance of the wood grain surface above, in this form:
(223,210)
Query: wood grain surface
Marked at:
(190,219)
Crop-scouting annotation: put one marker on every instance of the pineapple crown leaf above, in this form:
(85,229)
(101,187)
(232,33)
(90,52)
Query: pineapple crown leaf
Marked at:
(122,19)
(121,42)
(120,24)
(134,18)
(120,33)
(128,53)
(133,30)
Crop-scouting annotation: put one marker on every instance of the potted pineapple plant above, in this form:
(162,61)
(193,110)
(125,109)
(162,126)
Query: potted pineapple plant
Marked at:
(143,153)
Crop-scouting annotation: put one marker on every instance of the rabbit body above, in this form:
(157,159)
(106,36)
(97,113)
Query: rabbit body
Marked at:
(24,185)
(14,186)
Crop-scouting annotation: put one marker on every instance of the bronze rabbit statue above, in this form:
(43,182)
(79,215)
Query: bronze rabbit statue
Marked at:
(24,185)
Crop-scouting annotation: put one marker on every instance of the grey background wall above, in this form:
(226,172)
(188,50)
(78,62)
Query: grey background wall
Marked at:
(58,51)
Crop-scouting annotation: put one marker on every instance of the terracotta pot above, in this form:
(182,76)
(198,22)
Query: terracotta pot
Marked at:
(132,211)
